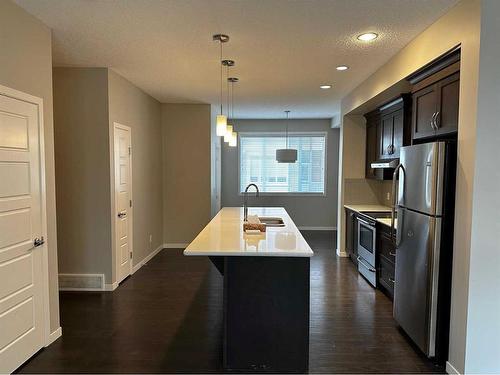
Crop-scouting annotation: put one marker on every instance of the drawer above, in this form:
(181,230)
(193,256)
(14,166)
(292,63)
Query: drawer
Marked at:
(385,247)
(386,277)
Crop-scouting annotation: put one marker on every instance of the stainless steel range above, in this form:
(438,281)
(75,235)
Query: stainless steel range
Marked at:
(367,243)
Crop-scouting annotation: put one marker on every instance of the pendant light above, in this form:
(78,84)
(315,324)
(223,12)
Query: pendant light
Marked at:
(233,137)
(221,120)
(286,155)
(229,127)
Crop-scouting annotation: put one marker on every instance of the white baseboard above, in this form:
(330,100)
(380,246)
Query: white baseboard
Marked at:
(54,336)
(110,287)
(342,254)
(176,245)
(450,369)
(318,228)
(147,258)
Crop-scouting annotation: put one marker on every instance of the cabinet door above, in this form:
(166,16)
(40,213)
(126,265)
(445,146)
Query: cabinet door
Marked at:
(447,118)
(386,278)
(398,133)
(425,103)
(349,230)
(372,148)
(387,131)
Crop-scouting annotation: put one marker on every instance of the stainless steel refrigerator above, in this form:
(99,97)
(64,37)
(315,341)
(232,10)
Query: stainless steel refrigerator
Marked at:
(424,244)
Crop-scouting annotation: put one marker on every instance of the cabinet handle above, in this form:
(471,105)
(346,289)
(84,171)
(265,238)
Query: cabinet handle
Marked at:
(433,125)
(436,120)
(391,253)
(392,280)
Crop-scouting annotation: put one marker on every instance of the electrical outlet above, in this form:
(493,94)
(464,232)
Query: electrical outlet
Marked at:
(388,196)
(150,238)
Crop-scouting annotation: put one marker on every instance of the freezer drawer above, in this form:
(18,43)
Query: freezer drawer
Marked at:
(416,277)
(421,182)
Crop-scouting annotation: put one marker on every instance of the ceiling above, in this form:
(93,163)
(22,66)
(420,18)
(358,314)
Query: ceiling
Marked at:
(284,50)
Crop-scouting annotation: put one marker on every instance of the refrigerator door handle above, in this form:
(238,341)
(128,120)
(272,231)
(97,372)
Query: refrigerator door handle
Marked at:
(393,208)
(399,232)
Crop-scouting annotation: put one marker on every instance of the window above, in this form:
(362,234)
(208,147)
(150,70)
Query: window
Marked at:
(258,163)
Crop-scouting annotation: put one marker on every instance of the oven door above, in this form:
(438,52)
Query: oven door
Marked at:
(367,235)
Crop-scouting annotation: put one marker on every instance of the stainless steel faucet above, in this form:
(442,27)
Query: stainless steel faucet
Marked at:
(245,202)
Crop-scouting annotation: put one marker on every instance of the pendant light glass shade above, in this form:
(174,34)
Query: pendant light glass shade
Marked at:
(221,127)
(229,134)
(233,142)
(286,155)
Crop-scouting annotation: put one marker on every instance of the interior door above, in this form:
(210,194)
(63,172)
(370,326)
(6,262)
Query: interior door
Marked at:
(123,202)
(22,322)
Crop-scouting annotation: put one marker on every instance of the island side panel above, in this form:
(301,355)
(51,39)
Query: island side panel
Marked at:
(266,314)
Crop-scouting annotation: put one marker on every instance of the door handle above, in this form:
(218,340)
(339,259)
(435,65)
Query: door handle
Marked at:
(364,265)
(122,214)
(38,241)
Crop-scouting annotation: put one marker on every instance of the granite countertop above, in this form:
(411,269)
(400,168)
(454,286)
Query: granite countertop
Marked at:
(224,236)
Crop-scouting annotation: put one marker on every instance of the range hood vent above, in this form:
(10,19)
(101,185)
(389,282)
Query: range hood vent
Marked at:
(385,163)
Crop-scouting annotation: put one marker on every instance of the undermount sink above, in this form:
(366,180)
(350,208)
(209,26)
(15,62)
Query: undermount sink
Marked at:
(269,221)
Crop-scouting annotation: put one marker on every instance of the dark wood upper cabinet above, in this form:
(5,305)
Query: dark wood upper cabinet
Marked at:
(388,128)
(372,144)
(424,109)
(447,116)
(435,98)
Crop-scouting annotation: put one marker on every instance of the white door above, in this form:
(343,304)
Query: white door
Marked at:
(123,200)
(22,273)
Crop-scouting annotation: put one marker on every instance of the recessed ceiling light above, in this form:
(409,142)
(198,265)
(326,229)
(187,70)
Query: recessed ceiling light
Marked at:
(325,87)
(366,37)
(342,67)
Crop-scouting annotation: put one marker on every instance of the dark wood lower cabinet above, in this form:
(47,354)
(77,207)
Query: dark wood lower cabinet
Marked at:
(351,241)
(386,260)
(266,314)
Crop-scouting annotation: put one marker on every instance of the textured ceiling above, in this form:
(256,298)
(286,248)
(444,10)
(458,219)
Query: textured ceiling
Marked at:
(283,49)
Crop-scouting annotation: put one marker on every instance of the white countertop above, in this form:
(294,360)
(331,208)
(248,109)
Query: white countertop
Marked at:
(368,207)
(373,208)
(388,222)
(224,236)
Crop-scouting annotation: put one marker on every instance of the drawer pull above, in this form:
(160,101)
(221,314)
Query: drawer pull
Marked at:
(391,253)
(392,280)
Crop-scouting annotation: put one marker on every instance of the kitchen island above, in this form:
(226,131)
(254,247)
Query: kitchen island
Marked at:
(266,290)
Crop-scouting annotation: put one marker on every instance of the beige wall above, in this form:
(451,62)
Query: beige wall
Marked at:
(82,170)
(26,65)
(306,211)
(459,26)
(186,170)
(483,323)
(130,106)
(87,101)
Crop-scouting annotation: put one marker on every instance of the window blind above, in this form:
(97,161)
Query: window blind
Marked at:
(258,163)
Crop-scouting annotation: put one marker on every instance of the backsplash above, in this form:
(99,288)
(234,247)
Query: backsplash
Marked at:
(364,191)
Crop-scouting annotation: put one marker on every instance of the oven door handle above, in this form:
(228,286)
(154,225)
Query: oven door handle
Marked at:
(371,269)
(364,222)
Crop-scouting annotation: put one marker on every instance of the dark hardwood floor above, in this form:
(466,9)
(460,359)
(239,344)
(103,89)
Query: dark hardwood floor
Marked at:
(167,318)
